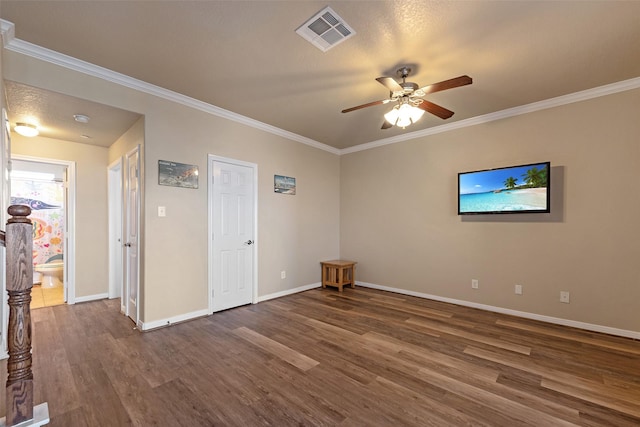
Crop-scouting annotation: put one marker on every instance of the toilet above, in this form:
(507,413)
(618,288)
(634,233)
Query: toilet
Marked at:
(51,273)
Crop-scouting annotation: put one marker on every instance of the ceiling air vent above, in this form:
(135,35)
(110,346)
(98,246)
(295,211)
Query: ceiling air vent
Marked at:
(325,29)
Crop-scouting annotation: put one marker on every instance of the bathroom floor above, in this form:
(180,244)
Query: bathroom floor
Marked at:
(46,297)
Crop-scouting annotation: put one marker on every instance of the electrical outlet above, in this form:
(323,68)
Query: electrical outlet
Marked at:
(283,274)
(474,283)
(162,211)
(564,297)
(518,289)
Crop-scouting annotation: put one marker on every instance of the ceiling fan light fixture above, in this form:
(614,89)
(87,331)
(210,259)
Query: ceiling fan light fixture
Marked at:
(410,105)
(392,116)
(26,129)
(404,115)
(415,113)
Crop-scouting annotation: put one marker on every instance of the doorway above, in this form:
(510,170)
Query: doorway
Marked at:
(47,186)
(232,230)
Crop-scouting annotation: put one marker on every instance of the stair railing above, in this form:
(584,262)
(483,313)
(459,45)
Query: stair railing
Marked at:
(18,241)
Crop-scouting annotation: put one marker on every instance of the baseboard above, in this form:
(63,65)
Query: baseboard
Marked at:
(548,319)
(288,292)
(146,326)
(91,298)
(40,417)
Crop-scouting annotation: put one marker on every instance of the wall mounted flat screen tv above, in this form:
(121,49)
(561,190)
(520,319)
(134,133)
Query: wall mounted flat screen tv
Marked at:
(513,189)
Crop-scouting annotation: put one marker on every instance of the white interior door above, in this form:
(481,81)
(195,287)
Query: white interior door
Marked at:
(232,210)
(115,233)
(132,230)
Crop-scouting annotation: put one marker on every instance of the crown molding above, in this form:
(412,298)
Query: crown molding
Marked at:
(503,114)
(7,31)
(56,58)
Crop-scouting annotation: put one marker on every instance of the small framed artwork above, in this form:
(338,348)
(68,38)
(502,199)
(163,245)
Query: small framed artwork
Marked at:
(177,174)
(284,184)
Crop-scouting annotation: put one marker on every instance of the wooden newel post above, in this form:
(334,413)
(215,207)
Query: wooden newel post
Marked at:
(19,245)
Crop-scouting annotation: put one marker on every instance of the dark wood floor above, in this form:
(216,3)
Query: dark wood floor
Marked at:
(364,358)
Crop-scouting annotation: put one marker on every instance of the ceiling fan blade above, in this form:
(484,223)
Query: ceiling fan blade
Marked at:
(435,109)
(386,125)
(447,84)
(370,104)
(390,84)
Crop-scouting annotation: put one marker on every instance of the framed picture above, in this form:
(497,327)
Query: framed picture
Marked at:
(284,184)
(177,174)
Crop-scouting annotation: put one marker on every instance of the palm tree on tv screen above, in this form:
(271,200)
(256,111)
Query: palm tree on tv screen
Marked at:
(510,182)
(535,177)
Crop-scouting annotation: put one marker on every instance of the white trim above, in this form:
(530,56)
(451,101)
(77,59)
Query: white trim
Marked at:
(210,159)
(5,189)
(95,297)
(503,114)
(53,57)
(71,233)
(56,58)
(7,31)
(69,252)
(115,193)
(289,292)
(547,319)
(145,326)
(40,417)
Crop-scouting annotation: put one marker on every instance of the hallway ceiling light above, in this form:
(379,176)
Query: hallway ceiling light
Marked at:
(26,129)
(81,118)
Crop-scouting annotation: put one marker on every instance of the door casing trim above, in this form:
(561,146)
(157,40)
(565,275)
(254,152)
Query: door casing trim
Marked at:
(70,226)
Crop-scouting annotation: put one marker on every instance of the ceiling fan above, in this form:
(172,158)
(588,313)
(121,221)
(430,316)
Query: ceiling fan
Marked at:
(408,98)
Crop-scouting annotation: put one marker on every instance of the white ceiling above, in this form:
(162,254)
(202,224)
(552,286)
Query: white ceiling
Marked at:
(245,56)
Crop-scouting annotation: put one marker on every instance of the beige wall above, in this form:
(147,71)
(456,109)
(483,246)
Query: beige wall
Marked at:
(294,232)
(399,214)
(91,205)
(131,139)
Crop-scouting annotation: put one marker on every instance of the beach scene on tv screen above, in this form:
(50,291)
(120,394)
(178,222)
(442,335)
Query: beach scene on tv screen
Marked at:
(519,188)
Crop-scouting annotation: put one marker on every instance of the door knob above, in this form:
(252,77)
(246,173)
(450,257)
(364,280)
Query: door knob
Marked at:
(249,242)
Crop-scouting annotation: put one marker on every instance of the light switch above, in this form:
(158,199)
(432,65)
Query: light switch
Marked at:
(162,211)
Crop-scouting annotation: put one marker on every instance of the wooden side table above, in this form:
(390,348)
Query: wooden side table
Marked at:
(338,273)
